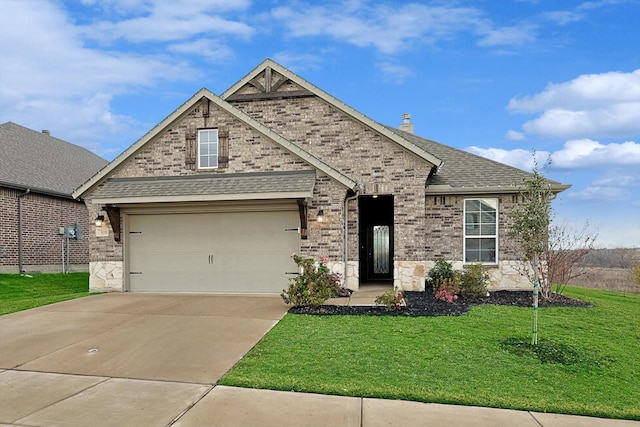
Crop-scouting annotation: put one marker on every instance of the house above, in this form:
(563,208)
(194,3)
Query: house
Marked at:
(217,196)
(41,226)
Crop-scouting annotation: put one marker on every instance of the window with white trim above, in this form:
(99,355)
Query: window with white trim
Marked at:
(207,148)
(481,231)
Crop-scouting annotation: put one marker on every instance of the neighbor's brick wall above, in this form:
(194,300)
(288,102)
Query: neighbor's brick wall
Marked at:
(42,245)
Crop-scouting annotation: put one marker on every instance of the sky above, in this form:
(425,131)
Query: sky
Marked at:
(501,79)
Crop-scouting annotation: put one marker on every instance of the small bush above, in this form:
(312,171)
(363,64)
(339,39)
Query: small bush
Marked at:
(473,281)
(391,300)
(314,285)
(448,289)
(440,272)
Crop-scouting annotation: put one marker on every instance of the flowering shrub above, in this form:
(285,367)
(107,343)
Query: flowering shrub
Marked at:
(391,300)
(441,271)
(314,285)
(448,290)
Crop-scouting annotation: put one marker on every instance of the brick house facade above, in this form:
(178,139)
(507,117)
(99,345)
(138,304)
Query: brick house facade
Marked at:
(382,203)
(35,203)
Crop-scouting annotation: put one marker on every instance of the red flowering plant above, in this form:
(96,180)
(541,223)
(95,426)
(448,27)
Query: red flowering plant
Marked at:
(448,290)
(314,285)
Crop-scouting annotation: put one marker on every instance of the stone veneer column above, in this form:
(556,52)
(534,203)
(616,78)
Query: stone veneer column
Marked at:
(106,276)
(408,275)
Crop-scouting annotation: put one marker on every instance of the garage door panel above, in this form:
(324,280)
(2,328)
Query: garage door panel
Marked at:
(217,252)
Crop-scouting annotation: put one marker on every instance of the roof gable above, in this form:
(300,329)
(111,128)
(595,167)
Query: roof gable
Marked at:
(41,163)
(272,80)
(238,114)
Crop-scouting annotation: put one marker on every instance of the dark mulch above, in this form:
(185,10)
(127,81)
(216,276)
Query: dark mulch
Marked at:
(425,304)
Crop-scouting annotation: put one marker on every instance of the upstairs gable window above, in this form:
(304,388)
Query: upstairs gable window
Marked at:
(481,231)
(207,148)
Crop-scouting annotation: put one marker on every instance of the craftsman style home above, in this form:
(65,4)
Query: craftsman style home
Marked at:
(218,196)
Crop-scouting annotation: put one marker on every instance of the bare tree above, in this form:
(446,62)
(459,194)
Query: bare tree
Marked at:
(567,247)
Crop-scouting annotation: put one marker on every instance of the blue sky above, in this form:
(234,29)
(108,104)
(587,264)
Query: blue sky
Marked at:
(496,78)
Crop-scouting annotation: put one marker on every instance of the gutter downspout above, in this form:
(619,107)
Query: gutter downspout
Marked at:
(20,266)
(345,234)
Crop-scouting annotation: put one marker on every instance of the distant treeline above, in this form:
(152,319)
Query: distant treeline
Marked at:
(611,258)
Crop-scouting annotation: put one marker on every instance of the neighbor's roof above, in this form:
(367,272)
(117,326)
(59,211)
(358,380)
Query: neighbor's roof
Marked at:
(232,186)
(43,164)
(466,173)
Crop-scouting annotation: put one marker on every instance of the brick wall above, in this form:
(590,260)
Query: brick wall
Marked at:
(445,226)
(42,245)
(360,153)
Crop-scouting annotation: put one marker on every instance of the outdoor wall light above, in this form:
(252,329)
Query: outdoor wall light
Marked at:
(99,220)
(320,216)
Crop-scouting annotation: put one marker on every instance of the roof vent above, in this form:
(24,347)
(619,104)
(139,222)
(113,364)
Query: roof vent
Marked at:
(406,124)
(46,131)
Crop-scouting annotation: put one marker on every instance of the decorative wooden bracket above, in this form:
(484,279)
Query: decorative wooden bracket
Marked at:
(113,213)
(302,209)
(269,89)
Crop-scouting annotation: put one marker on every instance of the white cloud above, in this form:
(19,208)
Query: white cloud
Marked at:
(586,153)
(594,105)
(50,79)
(600,193)
(394,72)
(519,158)
(515,135)
(391,29)
(575,154)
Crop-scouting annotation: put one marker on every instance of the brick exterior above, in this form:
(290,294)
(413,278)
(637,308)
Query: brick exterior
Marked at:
(42,246)
(425,227)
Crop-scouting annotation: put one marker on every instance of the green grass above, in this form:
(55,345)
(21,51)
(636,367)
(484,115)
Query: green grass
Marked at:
(588,360)
(23,292)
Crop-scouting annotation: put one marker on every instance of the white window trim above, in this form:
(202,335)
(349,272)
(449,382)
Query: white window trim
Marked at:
(200,131)
(496,201)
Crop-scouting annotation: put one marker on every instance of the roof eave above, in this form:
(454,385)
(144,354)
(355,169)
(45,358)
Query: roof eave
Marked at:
(440,190)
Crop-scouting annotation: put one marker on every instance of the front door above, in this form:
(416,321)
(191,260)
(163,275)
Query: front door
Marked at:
(376,238)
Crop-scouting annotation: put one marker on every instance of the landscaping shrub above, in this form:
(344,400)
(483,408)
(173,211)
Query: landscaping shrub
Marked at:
(448,290)
(473,281)
(391,300)
(440,272)
(314,285)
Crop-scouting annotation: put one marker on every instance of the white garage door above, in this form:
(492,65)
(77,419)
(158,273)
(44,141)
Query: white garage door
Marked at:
(212,252)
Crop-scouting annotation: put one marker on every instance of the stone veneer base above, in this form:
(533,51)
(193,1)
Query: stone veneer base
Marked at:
(106,276)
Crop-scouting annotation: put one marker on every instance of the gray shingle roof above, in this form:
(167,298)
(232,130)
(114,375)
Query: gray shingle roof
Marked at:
(39,162)
(462,170)
(208,185)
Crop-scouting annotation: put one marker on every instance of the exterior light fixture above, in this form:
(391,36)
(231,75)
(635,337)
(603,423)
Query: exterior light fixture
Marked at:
(320,216)
(99,220)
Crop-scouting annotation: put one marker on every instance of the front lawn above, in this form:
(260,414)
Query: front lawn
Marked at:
(588,361)
(22,292)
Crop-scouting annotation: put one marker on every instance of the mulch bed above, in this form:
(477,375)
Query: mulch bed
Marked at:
(425,304)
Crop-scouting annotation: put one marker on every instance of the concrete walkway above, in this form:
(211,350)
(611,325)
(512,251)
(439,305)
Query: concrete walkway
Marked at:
(154,360)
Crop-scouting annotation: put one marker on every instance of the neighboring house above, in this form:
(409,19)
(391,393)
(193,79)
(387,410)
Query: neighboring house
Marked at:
(38,173)
(217,196)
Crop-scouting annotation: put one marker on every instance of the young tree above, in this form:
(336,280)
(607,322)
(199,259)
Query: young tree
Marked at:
(530,228)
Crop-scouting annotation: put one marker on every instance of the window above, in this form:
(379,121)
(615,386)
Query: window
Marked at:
(481,230)
(207,148)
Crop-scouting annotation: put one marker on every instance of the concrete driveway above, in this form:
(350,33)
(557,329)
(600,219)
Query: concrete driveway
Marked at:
(151,355)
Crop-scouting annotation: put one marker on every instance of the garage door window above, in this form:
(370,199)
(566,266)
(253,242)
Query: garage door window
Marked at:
(208,148)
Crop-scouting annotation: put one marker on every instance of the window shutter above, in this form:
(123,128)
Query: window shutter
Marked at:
(223,147)
(191,149)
